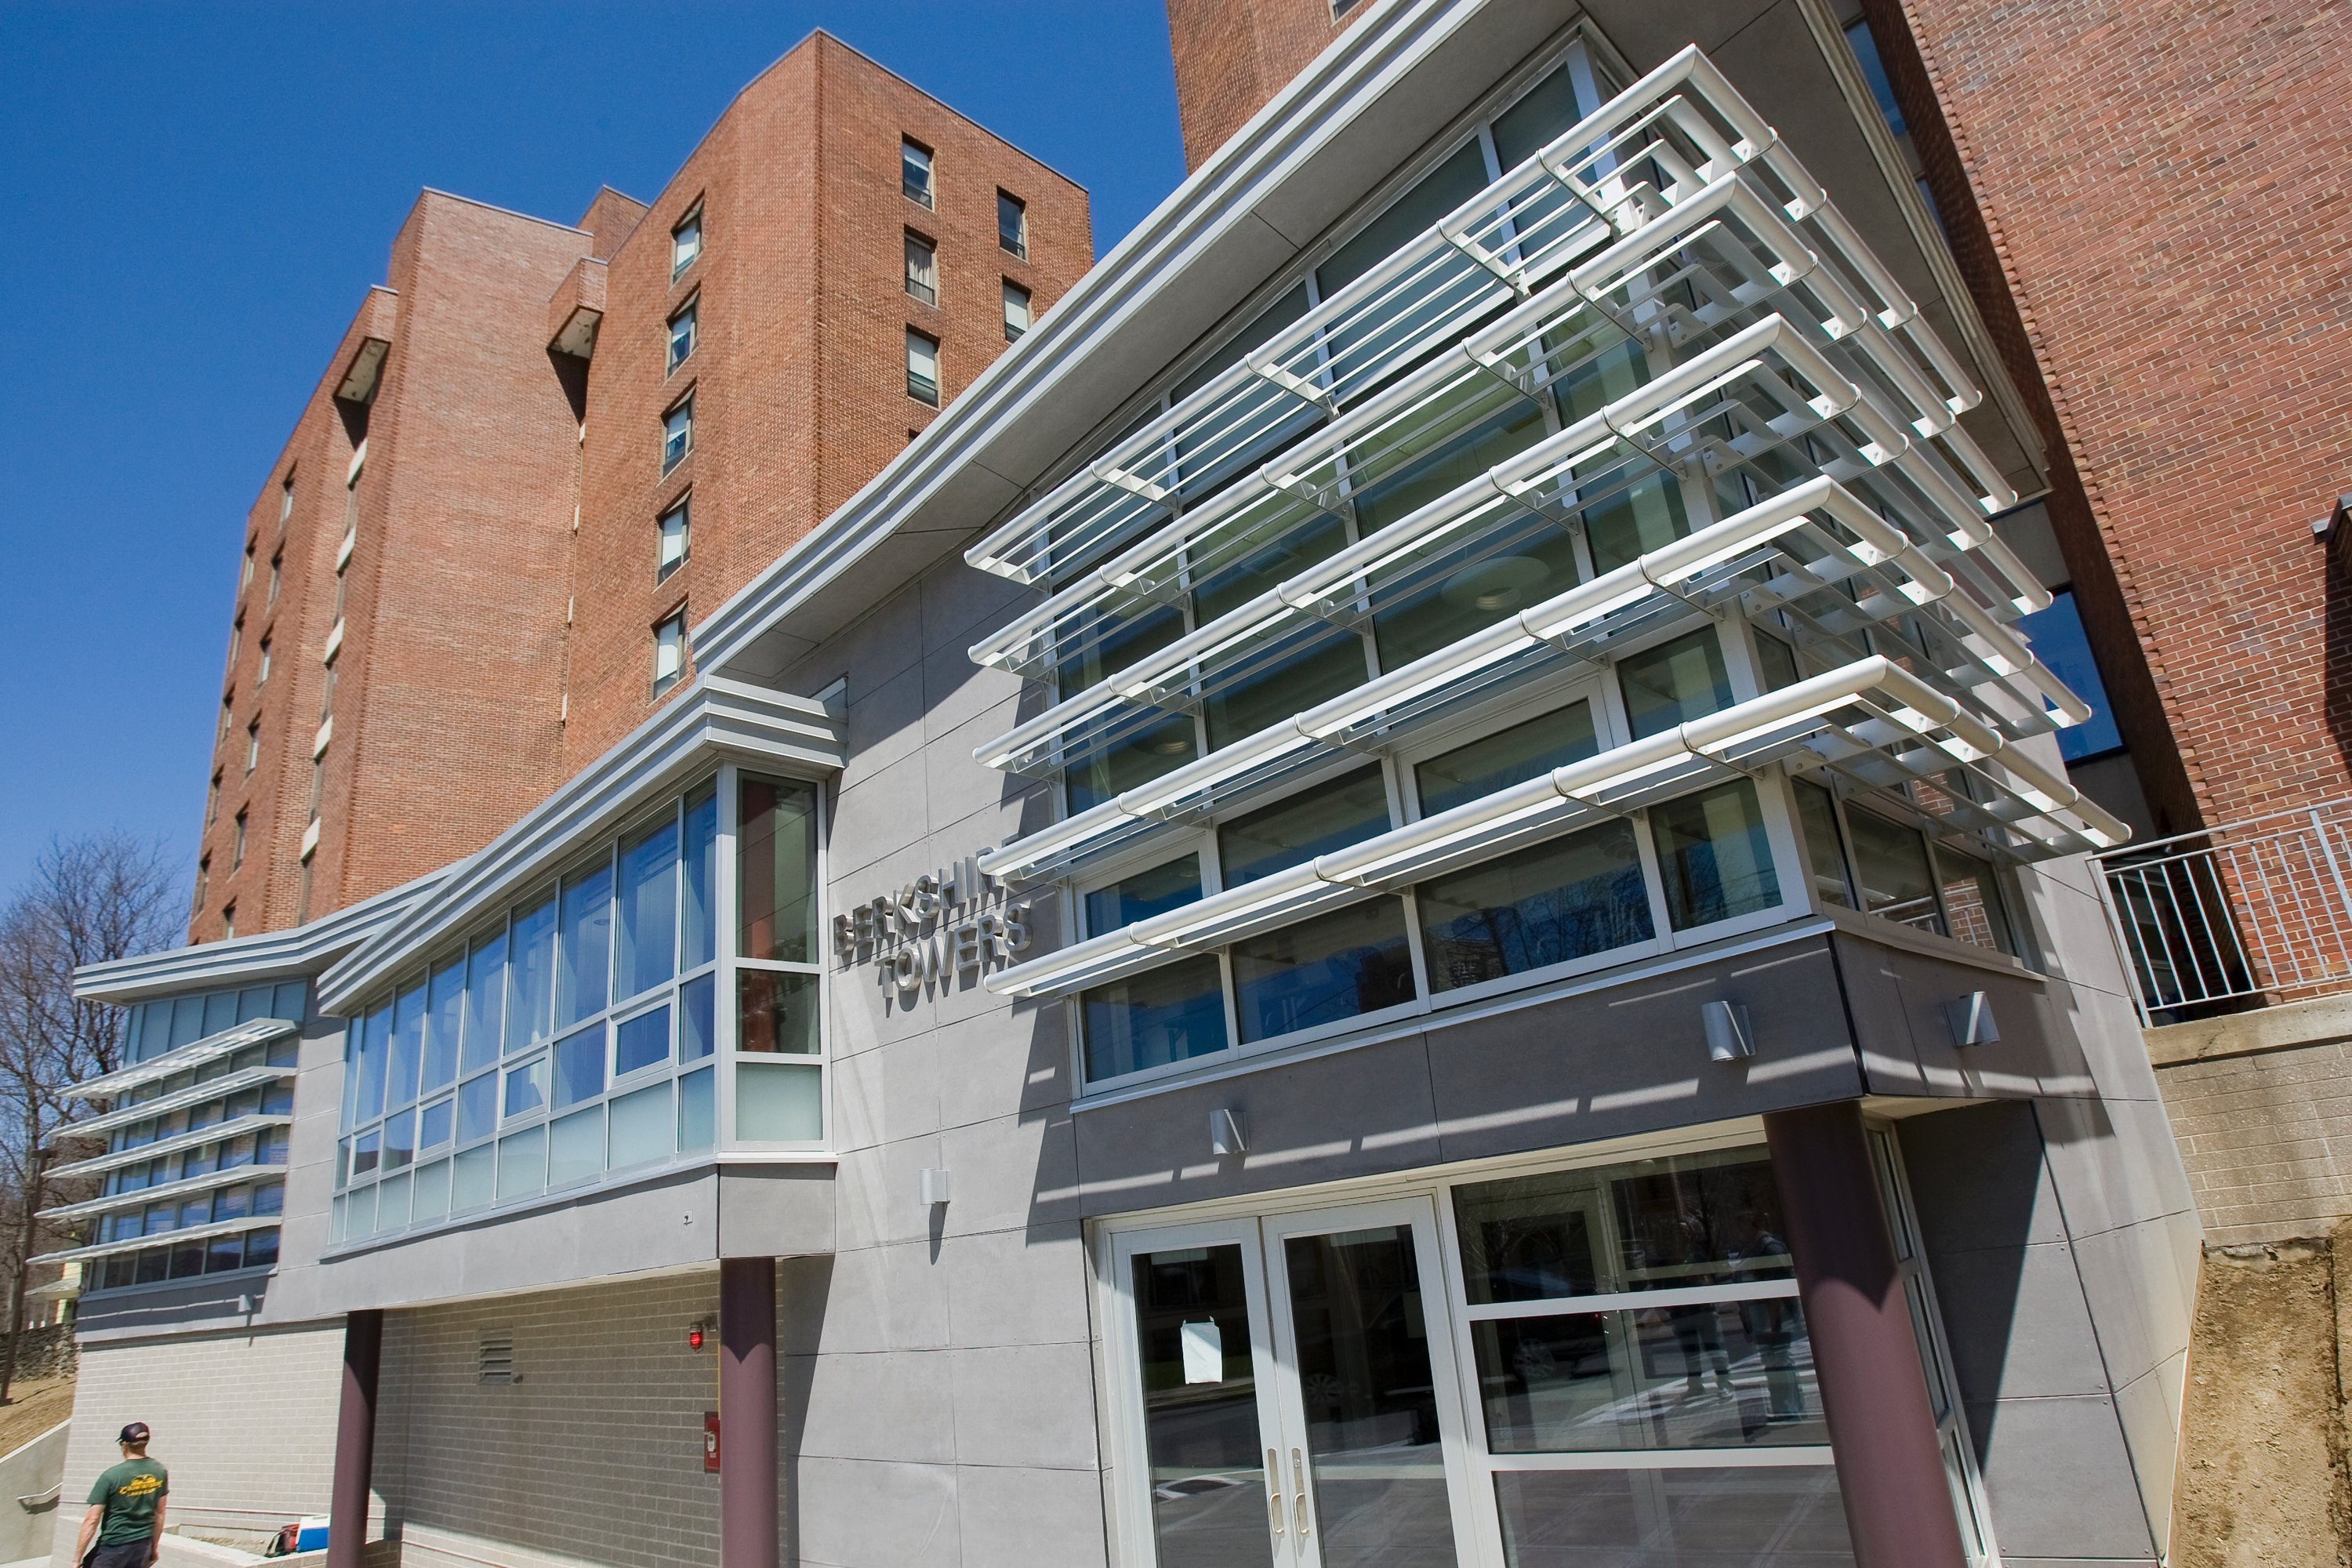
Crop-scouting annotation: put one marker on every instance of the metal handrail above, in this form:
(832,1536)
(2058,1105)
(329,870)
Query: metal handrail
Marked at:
(2256,912)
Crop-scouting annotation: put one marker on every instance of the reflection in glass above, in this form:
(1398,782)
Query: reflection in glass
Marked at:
(776,1012)
(648,905)
(1824,846)
(484,999)
(697,934)
(1318,668)
(1505,758)
(1143,895)
(640,1042)
(1200,1408)
(444,1007)
(1138,757)
(530,976)
(698,1034)
(1709,1374)
(586,974)
(1890,863)
(1321,971)
(1557,901)
(580,1067)
(1714,856)
(1756,1516)
(776,870)
(1316,821)
(407,1047)
(1644,516)
(1675,682)
(1370,1393)
(1973,911)
(1167,1014)
(477,1108)
(1650,1225)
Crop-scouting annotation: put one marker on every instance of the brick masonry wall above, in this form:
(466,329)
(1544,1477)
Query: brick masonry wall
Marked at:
(246,1423)
(2267,1138)
(595,1454)
(1232,56)
(2147,199)
(799,371)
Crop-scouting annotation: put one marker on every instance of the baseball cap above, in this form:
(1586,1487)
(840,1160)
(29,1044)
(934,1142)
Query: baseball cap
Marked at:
(134,1433)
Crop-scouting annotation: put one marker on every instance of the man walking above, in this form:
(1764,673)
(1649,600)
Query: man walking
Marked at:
(126,1509)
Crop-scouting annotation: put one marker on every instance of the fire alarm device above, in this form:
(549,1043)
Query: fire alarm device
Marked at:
(693,1337)
(710,1440)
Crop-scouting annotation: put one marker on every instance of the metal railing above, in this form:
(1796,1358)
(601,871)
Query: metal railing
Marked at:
(2252,913)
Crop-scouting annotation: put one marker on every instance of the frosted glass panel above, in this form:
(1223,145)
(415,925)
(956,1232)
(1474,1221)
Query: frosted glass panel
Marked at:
(472,1181)
(522,1164)
(777,1103)
(575,1147)
(432,1193)
(392,1204)
(698,1111)
(641,1128)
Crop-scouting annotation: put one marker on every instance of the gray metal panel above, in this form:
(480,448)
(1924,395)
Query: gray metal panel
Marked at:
(775,1211)
(1898,996)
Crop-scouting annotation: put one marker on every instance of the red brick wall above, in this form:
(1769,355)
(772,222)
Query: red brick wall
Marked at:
(2149,197)
(447,695)
(492,645)
(799,371)
(1232,56)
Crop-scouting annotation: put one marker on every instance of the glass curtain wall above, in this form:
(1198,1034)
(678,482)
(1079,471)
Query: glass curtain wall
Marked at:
(581,1039)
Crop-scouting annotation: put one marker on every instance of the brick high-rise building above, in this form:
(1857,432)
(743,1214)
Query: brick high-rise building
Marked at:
(542,451)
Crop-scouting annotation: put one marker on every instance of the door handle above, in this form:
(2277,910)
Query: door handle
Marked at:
(1273,1487)
(1298,1499)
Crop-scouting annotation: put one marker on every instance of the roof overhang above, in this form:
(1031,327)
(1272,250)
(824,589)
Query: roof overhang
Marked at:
(297,954)
(713,719)
(1342,125)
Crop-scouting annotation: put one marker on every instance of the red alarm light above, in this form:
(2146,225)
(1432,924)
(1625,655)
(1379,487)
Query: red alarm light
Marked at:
(694,1338)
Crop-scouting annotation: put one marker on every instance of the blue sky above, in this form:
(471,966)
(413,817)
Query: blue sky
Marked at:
(193,199)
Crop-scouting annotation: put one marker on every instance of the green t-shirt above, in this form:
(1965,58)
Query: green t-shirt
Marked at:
(131,1493)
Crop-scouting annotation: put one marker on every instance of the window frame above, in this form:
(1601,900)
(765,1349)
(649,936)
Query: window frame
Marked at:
(922,285)
(936,397)
(675,619)
(680,412)
(1015,244)
(686,315)
(692,220)
(682,510)
(928,197)
(1028,310)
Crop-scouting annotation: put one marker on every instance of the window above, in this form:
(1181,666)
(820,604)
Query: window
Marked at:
(327,693)
(277,574)
(245,572)
(2059,638)
(211,801)
(318,783)
(237,854)
(914,172)
(235,643)
(262,674)
(203,879)
(228,717)
(673,538)
(286,500)
(923,269)
(253,745)
(571,1038)
(1012,224)
(228,921)
(922,368)
(686,242)
(677,434)
(1016,310)
(669,652)
(681,337)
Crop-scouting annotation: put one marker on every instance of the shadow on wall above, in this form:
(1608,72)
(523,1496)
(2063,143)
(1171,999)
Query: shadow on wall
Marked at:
(803,1288)
(2337,694)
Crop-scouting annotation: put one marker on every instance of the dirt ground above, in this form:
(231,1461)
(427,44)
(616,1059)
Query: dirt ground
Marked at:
(2262,1477)
(34,1404)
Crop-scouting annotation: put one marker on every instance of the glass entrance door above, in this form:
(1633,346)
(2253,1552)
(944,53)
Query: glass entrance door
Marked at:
(1297,1393)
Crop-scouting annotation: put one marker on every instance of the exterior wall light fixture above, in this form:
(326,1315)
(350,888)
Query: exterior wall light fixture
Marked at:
(1970,1017)
(1729,1037)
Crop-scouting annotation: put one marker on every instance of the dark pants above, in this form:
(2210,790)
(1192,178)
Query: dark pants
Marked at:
(123,1554)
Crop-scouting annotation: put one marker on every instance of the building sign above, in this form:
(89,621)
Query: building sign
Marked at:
(944,923)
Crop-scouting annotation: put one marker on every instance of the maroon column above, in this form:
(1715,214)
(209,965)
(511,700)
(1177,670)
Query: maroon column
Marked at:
(1898,1501)
(347,1511)
(747,1525)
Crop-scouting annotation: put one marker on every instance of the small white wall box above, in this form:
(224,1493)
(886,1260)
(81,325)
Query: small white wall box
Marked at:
(1228,1132)
(935,1188)
(1971,1019)
(1729,1036)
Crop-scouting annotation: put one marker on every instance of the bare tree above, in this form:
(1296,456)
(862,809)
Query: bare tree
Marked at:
(87,900)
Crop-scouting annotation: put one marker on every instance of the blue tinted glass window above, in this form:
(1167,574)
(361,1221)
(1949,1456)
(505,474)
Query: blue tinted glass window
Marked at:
(1321,971)
(641,1042)
(2060,642)
(587,951)
(701,861)
(1168,1014)
(1143,895)
(1565,900)
(1330,817)
(648,948)
(530,975)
